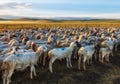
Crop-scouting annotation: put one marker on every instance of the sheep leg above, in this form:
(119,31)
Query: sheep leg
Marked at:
(34,70)
(84,61)
(95,55)
(75,54)
(111,53)
(79,61)
(41,59)
(44,58)
(10,72)
(8,80)
(102,59)
(116,47)
(50,64)
(90,60)
(107,58)
(84,66)
(67,62)
(31,72)
(4,79)
(4,76)
(70,61)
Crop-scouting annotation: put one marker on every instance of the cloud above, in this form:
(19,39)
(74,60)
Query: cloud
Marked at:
(60,8)
(15,5)
(31,12)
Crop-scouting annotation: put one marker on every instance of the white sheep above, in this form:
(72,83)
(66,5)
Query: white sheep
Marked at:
(61,53)
(85,53)
(104,54)
(13,42)
(108,44)
(20,62)
(115,41)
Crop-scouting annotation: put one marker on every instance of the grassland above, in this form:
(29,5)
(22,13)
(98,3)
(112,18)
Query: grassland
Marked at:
(4,25)
(97,73)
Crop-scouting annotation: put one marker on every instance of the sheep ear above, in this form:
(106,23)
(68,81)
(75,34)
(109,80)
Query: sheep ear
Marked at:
(33,46)
(95,44)
(48,42)
(11,49)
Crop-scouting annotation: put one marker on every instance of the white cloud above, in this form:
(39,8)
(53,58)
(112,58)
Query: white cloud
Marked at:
(15,5)
(7,1)
(25,9)
(46,13)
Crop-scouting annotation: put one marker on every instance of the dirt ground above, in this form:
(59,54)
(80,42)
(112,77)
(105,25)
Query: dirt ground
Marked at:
(97,73)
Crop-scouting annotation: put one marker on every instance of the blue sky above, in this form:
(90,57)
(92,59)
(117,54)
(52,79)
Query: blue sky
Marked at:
(61,8)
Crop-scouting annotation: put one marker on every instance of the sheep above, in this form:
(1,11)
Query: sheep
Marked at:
(85,53)
(61,53)
(45,53)
(13,42)
(51,38)
(115,43)
(12,51)
(4,38)
(108,44)
(24,40)
(7,53)
(9,50)
(29,47)
(28,44)
(47,48)
(118,38)
(104,53)
(64,43)
(20,62)
(38,36)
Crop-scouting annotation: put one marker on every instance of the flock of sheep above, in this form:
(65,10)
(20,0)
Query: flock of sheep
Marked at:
(24,48)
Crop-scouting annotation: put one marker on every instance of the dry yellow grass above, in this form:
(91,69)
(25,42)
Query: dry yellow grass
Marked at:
(52,24)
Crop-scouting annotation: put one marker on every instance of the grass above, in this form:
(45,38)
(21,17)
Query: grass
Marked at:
(12,25)
(57,21)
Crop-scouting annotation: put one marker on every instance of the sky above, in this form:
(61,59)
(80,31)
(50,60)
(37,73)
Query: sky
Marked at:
(61,8)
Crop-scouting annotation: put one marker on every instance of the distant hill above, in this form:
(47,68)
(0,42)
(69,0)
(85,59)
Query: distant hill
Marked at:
(2,19)
(55,19)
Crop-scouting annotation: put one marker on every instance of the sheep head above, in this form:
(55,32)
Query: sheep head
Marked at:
(14,49)
(73,44)
(33,46)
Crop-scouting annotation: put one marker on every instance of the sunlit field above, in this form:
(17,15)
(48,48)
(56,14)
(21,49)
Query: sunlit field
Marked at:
(11,25)
(96,73)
